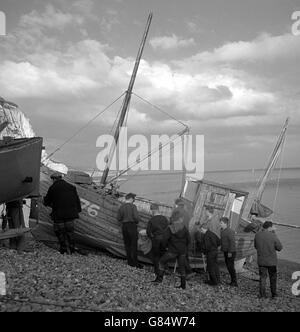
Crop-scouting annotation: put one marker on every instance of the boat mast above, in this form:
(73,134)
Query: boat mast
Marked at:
(272,162)
(126,101)
(256,198)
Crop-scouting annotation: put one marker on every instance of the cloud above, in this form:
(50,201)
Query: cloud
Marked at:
(265,48)
(171,43)
(235,88)
(51,18)
(26,80)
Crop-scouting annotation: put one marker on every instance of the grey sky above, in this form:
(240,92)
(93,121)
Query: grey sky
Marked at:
(230,69)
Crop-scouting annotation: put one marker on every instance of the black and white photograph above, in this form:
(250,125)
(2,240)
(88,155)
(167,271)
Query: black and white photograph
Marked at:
(149,158)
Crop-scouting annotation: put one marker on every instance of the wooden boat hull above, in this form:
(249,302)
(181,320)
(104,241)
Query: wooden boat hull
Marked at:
(99,229)
(20,161)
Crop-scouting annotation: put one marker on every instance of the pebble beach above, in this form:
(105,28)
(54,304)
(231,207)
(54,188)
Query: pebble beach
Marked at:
(42,280)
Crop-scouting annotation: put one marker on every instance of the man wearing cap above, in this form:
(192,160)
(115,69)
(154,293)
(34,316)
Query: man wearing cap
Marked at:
(156,227)
(267,244)
(129,217)
(210,243)
(228,247)
(63,198)
(177,240)
(180,207)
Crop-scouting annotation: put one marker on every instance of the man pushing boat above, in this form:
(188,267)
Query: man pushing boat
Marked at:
(63,198)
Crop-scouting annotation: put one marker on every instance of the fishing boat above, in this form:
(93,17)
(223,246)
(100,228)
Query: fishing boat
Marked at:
(20,161)
(98,228)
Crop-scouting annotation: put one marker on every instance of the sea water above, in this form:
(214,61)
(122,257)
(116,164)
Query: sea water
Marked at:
(282,194)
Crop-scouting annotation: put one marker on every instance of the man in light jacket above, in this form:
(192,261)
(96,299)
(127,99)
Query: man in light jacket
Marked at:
(267,244)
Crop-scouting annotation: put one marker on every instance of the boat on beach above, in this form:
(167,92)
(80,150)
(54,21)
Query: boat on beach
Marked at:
(98,228)
(20,160)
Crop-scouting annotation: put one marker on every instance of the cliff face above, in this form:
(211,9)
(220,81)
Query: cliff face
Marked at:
(19,127)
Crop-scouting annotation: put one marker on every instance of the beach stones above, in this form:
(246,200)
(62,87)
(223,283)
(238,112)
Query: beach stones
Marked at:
(44,280)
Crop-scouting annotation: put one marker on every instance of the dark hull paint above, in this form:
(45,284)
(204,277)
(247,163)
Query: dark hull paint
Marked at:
(19,159)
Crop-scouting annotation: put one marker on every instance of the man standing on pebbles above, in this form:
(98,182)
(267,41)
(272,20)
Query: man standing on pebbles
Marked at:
(267,244)
(129,217)
(228,247)
(209,243)
(63,198)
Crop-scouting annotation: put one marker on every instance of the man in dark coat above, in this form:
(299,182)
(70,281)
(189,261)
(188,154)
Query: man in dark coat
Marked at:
(156,227)
(267,244)
(209,245)
(177,240)
(129,217)
(63,198)
(181,208)
(228,247)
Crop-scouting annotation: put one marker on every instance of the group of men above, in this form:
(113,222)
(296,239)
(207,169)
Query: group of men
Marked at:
(170,239)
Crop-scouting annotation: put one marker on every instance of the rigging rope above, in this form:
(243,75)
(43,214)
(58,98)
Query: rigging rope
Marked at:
(146,156)
(160,110)
(83,127)
(279,175)
(137,172)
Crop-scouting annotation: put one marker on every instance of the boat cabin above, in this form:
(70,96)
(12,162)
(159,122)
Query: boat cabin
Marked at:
(223,200)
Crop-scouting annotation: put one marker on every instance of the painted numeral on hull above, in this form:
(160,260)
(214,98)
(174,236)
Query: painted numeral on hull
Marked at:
(92,209)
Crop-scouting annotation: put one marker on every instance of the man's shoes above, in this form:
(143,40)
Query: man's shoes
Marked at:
(158,280)
(190,275)
(233,284)
(274,296)
(182,283)
(139,266)
(211,283)
(262,296)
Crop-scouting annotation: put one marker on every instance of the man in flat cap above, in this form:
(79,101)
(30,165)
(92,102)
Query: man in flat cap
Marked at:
(267,244)
(210,244)
(156,227)
(63,198)
(177,240)
(180,207)
(129,218)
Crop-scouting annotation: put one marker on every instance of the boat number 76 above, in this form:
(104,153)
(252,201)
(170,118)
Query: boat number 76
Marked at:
(92,209)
